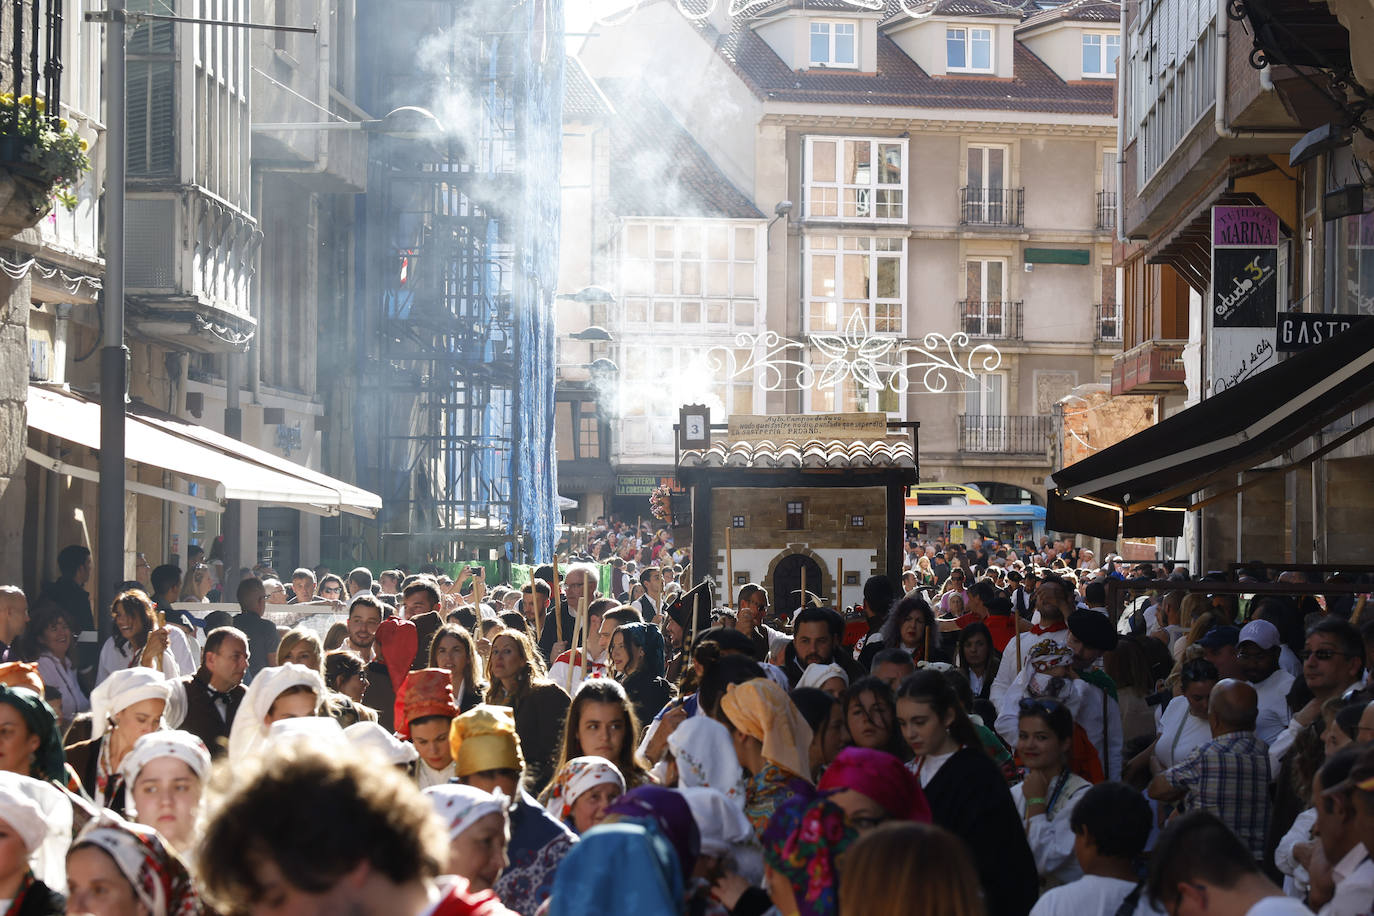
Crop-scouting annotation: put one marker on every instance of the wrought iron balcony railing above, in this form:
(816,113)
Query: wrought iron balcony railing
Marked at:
(991,319)
(1107,322)
(1003,434)
(1106,211)
(991,206)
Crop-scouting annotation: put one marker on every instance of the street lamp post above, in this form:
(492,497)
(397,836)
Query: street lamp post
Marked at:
(114,356)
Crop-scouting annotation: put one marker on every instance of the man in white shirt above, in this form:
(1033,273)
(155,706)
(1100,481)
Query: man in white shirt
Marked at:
(1111,824)
(1257,653)
(1346,888)
(1054,599)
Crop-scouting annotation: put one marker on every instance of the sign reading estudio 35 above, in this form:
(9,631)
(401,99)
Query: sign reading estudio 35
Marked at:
(1245,293)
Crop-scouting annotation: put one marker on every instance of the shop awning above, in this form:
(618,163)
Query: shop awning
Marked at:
(1149,480)
(351,499)
(229,468)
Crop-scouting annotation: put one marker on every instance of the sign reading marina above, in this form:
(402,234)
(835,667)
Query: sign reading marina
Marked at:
(1244,227)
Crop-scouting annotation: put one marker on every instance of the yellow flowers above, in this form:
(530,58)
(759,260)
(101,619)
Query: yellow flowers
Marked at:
(85,146)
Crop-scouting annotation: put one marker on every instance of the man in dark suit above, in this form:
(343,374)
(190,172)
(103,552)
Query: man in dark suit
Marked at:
(549,644)
(213,693)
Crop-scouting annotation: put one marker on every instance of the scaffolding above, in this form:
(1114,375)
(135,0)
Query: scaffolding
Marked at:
(458,264)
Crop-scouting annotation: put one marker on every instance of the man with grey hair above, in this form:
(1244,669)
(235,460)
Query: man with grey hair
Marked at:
(302,586)
(582,580)
(14,616)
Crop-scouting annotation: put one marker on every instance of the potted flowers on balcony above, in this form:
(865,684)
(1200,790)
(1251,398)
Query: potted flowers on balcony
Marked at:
(42,159)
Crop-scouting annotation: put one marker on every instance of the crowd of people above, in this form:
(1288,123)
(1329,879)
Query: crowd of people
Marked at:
(979,736)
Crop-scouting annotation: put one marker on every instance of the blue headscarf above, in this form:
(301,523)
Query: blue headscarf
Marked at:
(631,870)
(650,641)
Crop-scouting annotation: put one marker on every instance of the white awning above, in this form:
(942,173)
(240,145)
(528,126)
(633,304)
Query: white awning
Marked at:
(230,471)
(350,499)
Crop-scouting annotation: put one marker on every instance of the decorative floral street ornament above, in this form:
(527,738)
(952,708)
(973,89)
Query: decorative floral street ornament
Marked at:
(872,361)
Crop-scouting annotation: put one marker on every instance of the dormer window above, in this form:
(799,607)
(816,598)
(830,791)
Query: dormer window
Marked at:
(834,44)
(1100,53)
(969,50)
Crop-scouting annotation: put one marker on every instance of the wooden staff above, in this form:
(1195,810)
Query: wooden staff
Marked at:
(556,600)
(1359,609)
(696,619)
(729,573)
(579,630)
(839,584)
(802,603)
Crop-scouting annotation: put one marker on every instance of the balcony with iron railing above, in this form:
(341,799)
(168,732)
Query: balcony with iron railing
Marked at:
(990,319)
(1005,435)
(1107,322)
(992,207)
(1106,211)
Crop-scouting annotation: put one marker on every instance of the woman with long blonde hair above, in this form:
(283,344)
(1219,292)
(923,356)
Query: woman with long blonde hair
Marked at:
(539,705)
(905,867)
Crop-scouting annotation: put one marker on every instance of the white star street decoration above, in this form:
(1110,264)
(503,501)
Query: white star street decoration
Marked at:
(872,361)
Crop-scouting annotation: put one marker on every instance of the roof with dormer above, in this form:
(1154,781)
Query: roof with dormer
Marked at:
(1106,12)
(899,80)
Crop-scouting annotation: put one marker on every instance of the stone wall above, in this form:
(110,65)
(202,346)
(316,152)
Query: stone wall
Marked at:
(14,386)
(828,521)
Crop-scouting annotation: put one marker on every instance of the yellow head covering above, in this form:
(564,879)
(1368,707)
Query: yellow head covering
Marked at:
(761,709)
(483,738)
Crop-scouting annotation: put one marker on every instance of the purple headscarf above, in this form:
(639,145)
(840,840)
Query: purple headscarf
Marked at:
(669,812)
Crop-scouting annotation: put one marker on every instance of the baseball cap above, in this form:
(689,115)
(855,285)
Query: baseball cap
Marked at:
(1260,632)
(1217,637)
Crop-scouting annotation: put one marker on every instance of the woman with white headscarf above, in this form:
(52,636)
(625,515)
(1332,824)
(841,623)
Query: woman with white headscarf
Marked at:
(478,831)
(704,757)
(284,692)
(29,885)
(728,842)
(833,679)
(370,737)
(165,774)
(116,868)
(582,791)
(126,706)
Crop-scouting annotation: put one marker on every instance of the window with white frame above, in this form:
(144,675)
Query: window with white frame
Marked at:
(855,179)
(1100,53)
(985,409)
(696,275)
(855,275)
(985,311)
(968,49)
(834,44)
